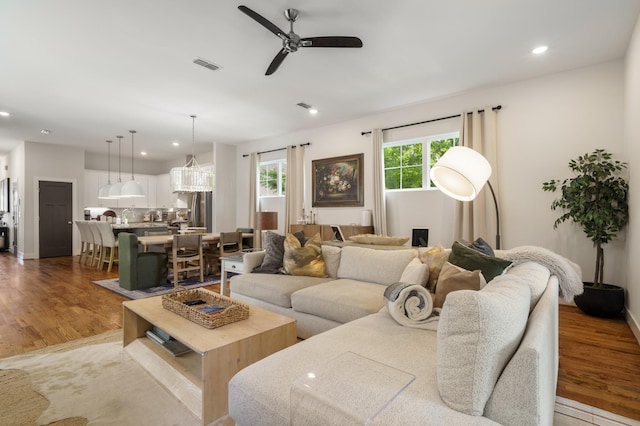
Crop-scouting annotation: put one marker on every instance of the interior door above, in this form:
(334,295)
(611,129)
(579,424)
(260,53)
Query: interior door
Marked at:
(56,219)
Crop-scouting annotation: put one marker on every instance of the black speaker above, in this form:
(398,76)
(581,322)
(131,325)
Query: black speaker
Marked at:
(420,237)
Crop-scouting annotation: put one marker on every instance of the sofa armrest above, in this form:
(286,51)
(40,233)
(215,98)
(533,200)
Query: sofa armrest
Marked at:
(525,392)
(251,260)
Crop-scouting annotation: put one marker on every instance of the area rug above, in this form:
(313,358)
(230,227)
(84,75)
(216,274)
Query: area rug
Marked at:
(90,381)
(112,284)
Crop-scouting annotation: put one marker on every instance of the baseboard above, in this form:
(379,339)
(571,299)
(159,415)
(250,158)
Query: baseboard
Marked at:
(633,324)
(568,412)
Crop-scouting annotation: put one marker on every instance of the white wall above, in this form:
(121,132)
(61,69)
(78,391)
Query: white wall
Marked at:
(544,123)
(53,163)
(632,140)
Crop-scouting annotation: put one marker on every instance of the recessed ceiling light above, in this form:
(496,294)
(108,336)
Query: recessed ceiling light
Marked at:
(176,144)
(540,49)
(4,113)
(45,131)
(143,152)
(308,107)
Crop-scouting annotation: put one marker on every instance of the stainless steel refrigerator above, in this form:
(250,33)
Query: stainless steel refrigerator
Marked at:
(201,209)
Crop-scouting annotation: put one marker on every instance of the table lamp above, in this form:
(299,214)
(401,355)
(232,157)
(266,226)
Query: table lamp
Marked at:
(461,173)
(265,221)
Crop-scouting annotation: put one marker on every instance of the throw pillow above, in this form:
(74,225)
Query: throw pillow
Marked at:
(480,245)
(416,272)
(471,259)
(304,260)
(479,332)
(273,244)
(434,257)
(331,256)
(453,278)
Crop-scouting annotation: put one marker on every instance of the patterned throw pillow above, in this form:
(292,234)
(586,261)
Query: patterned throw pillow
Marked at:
(304,260)
(273,244)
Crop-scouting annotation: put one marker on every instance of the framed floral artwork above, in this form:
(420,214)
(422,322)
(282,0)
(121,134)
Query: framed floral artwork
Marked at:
(338,181)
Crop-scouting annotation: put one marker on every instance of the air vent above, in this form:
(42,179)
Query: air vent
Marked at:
(206,64)
(303,105)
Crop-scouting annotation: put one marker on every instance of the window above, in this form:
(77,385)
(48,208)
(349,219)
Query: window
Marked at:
(407,163)
(273,178)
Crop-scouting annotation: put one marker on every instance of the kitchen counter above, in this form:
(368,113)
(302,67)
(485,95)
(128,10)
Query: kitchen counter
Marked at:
(133,225)
(140,228)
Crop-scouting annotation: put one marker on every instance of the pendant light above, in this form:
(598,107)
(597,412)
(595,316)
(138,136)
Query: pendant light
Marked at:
(116,188)
(103,193)
(132,189)
(190,177)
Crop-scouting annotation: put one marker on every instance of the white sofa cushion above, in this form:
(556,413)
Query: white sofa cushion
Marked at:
(478,333)
(375,266)
(273,288)
(342,300)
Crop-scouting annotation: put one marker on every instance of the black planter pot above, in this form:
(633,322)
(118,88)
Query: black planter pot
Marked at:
(606,302)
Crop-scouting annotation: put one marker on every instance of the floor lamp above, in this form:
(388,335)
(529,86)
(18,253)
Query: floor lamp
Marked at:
(265,221)
(461,173)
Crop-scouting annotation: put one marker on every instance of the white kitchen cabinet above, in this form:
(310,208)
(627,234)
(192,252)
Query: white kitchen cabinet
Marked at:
(165,198)
(93,181)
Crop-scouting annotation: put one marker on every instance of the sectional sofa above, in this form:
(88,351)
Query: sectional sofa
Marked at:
(492,357)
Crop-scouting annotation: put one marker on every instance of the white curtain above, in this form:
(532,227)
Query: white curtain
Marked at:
(294,192)
(253,196)
(379,202)
(477,218)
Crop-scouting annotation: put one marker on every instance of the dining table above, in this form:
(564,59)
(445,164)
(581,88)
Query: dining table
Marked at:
(167,240)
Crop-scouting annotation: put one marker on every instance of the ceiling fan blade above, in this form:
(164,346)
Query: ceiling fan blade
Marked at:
(331,42)
(273,66)
(264,22)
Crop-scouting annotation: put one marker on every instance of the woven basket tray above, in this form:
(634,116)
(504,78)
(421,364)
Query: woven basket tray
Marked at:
(233,310)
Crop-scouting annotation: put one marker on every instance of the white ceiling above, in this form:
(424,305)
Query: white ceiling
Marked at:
(91,70)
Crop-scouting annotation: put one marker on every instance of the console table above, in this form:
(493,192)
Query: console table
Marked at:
(326,234)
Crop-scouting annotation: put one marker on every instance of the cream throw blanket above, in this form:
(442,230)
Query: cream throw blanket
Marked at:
(411,305)
(569,274)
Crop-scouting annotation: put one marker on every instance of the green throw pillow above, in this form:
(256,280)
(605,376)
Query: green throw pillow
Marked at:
(471,260)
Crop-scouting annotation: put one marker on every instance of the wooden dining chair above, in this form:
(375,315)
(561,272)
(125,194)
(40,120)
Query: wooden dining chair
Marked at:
(186,255)
(229,244)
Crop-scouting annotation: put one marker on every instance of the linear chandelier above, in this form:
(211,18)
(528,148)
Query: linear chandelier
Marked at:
(191,177)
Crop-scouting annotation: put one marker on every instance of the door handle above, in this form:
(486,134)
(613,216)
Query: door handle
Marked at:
(69,223)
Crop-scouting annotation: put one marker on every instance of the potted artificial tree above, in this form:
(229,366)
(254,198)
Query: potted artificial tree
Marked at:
(596,200)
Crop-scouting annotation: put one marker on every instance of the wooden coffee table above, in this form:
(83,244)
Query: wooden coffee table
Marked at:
(199,379)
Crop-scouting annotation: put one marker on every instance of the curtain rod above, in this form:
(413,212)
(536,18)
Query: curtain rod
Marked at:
(495,108)
(277,149)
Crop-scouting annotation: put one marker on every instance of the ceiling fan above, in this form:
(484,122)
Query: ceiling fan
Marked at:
(292,41)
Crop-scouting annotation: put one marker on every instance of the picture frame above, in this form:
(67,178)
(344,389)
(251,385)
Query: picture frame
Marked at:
(338,181)
(337,233)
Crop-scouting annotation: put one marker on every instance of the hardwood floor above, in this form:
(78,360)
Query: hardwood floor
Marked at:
(50,301)
(599,362)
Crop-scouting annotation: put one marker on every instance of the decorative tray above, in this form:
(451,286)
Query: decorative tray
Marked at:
(212,311)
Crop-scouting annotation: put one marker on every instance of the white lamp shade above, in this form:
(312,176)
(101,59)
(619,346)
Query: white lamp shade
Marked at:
(461,173)
(115,190)
(132,189)
(103,192)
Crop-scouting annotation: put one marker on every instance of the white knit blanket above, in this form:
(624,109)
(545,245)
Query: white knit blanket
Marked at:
(569,274)
(411,305)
